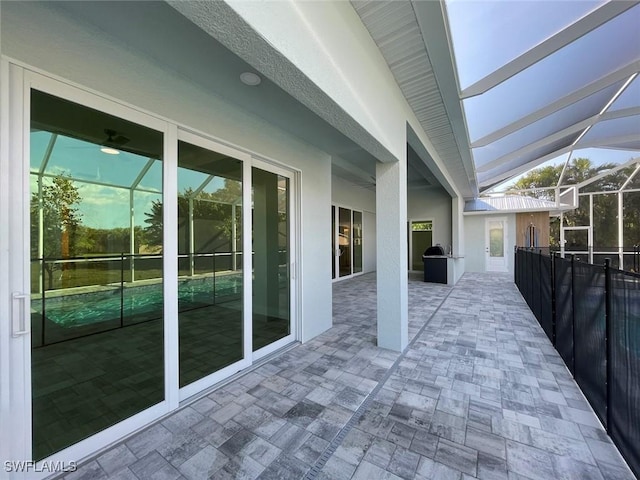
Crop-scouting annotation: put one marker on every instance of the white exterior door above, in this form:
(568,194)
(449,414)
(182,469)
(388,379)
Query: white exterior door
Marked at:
(495,244)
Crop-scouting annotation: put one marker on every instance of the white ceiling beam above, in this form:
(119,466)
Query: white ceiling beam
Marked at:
(519,169)
(559,104)
(433,25)
(623,112)
(607,173)
(609,142)
(589,122)
(538,144)
(552,44)
(635,172)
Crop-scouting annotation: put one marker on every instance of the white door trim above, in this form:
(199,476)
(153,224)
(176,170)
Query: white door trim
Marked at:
(15,352)
(491,263)
(210,380)
(336,239)
(294,260)
(21,82)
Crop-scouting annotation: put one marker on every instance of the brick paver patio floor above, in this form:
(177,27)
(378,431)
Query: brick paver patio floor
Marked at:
(479,393)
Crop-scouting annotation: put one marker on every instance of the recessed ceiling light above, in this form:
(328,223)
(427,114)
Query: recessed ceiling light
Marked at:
(250,78)
(110,151)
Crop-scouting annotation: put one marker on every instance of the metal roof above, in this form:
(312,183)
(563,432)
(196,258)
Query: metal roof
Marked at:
(510,203)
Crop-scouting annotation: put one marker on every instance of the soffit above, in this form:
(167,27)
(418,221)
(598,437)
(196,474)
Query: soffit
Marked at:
(398,31)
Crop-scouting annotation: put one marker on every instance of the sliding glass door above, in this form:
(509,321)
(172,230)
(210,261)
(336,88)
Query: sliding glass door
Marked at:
(132,290)
(272,253)
(346,241)
(97,330)
(210,274)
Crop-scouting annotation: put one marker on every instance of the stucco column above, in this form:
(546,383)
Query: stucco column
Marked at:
(457,226)
(392,254)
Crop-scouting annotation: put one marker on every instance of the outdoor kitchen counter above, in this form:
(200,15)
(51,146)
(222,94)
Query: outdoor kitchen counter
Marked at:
(443,268)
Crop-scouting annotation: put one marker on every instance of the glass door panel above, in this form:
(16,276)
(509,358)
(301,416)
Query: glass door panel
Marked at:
(271,260)
(97,352)
(210,313)
(357,242)
(495,240)
(333,241)
(576,240)
(344,241)
(421,239)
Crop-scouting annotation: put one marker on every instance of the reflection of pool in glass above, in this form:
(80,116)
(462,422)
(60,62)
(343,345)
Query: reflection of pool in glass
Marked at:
(145,302)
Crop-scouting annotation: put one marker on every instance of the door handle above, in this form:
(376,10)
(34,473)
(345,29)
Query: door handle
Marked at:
(20,326)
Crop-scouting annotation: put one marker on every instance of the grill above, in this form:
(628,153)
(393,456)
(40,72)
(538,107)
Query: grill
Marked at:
(434,250)
(435,266)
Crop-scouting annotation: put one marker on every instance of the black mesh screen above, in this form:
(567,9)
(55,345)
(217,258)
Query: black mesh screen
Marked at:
(564,310)
(517,268)
(528,281)
(589,335)
(535,284)
(581,296)
(546,302)
(625,366)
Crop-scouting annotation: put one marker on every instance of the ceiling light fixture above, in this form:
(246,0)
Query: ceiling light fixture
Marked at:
(110,151)
(250,78)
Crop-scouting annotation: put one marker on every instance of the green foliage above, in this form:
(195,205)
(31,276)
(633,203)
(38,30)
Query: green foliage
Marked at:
(211,209)
(60,217)
(96,241)
(57,203)
(605,207)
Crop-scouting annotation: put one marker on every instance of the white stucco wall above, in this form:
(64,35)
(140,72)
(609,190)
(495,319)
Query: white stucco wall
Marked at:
(475,241)
(357,78)
(332,48)
(432,204)
(48,40)
(369,233)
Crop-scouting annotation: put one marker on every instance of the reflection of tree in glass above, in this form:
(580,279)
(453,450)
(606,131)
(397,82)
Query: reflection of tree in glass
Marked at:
(215,207)
(605,207)
(60,219)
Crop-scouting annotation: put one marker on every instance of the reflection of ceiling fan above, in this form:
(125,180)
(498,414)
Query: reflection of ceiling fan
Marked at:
(114,139)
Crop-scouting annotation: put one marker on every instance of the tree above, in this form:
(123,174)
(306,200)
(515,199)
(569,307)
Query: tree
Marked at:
(604,206)
(60,220)
(213,207)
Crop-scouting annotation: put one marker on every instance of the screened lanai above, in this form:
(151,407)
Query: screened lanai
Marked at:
(540,79)
(550,95)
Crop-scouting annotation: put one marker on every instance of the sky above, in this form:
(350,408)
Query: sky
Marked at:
(487,35)
(108,206)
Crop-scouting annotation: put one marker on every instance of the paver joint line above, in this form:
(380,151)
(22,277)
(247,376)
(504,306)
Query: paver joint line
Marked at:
(339,438)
